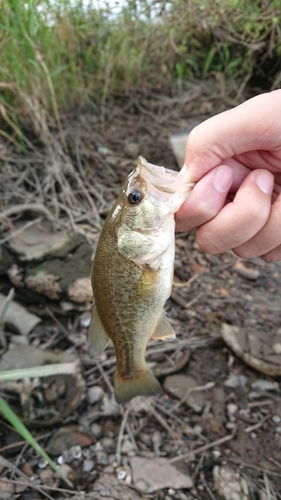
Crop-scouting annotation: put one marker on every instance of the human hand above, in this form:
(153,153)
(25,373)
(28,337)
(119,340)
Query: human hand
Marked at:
(235,158)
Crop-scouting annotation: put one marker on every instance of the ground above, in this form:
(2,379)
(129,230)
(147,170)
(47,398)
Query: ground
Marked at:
(218,423)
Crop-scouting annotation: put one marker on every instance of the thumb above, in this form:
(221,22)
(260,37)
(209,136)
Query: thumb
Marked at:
(250,126)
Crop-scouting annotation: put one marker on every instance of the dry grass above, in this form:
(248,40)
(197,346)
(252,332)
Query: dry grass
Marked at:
(55,55)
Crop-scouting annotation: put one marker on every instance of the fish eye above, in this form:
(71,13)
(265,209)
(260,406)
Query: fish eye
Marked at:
(135,197)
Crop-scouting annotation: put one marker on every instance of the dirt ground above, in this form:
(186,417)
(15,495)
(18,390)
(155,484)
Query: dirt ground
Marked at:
(217,426)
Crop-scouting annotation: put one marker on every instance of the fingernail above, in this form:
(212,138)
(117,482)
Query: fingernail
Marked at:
(264,181)
(222,179)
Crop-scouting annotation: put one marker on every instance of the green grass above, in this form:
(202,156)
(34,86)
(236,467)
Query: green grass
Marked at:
(56,55)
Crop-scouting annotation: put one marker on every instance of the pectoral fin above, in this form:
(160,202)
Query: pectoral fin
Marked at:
(97,336)
(163,330)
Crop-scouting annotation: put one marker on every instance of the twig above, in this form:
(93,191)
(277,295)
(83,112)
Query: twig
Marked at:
(207,487)
(9,465)
(161,420)
(251,466)
(21,443)
(258,425)
(201,388)
(201,448)
(105,377)
(32,207)
(20,230)
(186,283)
(121,433)
(52,488)
(271,459)
(5,306)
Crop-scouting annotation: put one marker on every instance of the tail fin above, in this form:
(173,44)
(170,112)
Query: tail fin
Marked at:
(142,384)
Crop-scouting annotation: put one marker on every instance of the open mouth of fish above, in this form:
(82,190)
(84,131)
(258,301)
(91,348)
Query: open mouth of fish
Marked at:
(168,184)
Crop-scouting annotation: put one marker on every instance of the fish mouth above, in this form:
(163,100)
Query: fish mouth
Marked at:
(162,178)
(165,184)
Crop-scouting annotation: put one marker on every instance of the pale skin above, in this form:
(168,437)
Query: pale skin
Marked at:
(235,159)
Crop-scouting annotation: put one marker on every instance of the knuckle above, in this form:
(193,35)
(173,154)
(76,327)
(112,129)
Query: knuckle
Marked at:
(244,252)
(205,243)
(271,257)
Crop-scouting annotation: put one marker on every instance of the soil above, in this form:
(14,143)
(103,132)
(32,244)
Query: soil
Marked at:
(236,421)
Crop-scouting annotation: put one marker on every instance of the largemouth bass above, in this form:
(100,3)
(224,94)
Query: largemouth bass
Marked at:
(132,275)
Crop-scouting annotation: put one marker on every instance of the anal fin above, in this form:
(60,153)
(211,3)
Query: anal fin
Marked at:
(163,330)
(97,336)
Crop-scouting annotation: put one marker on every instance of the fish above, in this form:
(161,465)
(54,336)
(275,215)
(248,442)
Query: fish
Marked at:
(132,274)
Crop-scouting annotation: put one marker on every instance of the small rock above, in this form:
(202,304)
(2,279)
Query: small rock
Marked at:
(150,475)
(276,419)
(6,488)
(102,458)
(96,430)
(277,348)
(85,320)
(17,316)
(108,444)
(70,437)
(88,465)
(145,439)
(180,386)
(232,408)
(265,385)
(47,476)
(27,470)
(109,469)
(234,381)
(127,446)
(67,471)
(230,484)
(121,475)
(95,394)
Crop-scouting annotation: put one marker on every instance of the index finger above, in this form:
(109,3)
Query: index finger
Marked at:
(253,125)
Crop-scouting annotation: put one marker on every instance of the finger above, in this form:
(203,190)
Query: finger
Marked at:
(240,220)
(267,239)
(206,199)
(273,256)
(234,132)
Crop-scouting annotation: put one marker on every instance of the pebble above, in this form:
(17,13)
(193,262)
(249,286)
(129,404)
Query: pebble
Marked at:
(277,348)
(101,458)
(95,394)
(121,474)
(232,408)
(47,477)
(229,484)
(96,430)
(76,452)
(265,385)
(109,469)
(145,439)
(127,446)
(276,419)
(88,465)
(108,444)
(42,464)
(178,385)
(27,470)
